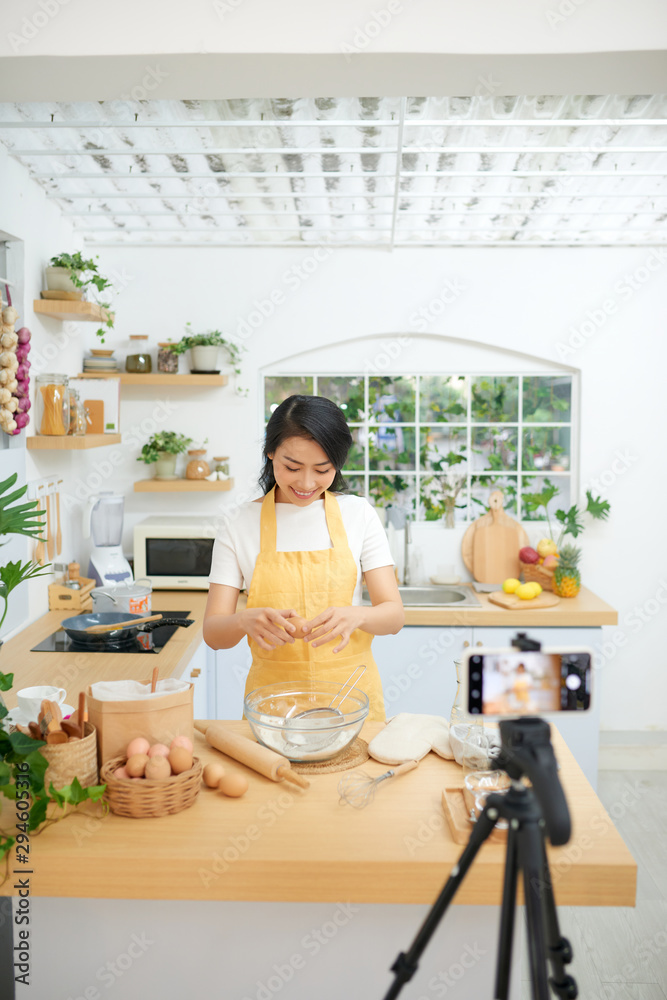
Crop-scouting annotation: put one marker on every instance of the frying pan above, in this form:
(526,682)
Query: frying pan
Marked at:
(75,628)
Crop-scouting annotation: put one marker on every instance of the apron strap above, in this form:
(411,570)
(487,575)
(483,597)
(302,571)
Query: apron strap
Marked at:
(268,529)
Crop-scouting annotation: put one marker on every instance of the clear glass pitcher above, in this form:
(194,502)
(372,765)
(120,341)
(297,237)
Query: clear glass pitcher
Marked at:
(105,519)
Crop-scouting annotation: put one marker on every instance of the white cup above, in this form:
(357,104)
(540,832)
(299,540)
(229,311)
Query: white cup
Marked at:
(30,699)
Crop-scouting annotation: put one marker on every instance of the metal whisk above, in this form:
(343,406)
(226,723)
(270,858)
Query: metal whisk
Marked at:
(358,789)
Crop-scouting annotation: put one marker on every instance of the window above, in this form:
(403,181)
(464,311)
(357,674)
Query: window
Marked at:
(436,441)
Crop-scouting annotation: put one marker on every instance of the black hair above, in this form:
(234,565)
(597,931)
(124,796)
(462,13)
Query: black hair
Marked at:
(315,418)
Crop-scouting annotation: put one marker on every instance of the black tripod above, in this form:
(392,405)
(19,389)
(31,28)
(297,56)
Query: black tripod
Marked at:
(525,751)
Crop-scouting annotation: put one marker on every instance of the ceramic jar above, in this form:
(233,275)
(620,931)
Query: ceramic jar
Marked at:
(197,467)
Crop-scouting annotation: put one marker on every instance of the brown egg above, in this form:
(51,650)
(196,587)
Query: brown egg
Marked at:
(180,760)
(299,622)
(158,768)
(120,772)
(233,785)
(137,745)
(158,750)
(181,741)
(136,765)
(213,774)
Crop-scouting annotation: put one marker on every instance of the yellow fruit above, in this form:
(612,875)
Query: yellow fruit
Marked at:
(510,585)
(525,591)
(547,547)
(536,587)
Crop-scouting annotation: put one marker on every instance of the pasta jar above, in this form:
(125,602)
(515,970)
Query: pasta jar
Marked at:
(52,404)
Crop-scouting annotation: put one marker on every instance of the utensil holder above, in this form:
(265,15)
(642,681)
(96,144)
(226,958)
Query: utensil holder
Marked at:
(68,761)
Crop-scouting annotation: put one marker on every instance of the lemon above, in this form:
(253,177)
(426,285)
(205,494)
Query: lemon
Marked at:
(510,585)
(525,591)
(536,587)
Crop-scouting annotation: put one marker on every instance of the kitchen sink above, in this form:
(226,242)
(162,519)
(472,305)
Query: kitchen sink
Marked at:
(434,597)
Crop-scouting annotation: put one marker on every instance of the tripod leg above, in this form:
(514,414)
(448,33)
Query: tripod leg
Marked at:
(507,913)
(406,964)
(530,850)
(559,949)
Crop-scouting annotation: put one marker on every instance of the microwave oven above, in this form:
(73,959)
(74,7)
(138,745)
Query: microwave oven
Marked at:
(174,552)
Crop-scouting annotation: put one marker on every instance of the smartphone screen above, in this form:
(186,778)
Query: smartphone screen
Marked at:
(509,682)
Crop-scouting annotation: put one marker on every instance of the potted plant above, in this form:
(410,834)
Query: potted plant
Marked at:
(22,766)
(72,273)
(205,351)
(440,491)
(162,450)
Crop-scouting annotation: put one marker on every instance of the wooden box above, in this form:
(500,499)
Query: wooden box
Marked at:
(65,599)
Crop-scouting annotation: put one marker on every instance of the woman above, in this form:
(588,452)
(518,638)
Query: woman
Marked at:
(301,552)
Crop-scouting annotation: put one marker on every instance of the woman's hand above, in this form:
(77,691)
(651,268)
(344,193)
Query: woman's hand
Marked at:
(332,623)
(268,627)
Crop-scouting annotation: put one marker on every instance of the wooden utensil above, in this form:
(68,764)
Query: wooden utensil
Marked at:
(34,731)
(57,736)
(59,533)
(71,728)
(490,546)
(49,537)
(82,713)
(513,603)
(156,670)
(272,765)
(98,629)
(39,550)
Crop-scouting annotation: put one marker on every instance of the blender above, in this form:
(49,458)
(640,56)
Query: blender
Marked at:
(103,519)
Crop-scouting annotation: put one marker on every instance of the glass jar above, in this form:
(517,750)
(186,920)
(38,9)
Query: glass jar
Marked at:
(52,404)
(167,361)
(140,363)
(197,467)
(221,466)
(77,415)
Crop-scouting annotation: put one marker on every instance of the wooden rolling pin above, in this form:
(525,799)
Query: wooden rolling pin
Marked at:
(267,762)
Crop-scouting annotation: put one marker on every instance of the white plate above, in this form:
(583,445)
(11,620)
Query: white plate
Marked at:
(17,716)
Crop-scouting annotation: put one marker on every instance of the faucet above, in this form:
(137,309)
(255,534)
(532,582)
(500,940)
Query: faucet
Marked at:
(406,552)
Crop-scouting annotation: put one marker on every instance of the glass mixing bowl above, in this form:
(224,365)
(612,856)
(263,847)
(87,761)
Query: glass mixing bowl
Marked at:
(273,713)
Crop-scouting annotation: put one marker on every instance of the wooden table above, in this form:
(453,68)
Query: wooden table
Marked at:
(583,611)
(257,882)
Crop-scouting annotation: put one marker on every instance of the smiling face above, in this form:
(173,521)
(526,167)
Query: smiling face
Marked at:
(302,471)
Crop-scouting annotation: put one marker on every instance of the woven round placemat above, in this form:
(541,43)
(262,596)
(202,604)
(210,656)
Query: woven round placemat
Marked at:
(351,756)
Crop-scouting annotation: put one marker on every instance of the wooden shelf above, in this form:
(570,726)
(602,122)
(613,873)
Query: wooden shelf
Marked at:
(65,309)
(46,442)
(159,378)
(181,485)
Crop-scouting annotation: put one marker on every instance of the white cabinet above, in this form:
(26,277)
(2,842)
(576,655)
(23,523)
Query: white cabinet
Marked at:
(228,676)
(198,671)
(417,668)
(580,730)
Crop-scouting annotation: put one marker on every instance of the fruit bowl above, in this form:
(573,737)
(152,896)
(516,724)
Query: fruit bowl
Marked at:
(273,710)
(533,571)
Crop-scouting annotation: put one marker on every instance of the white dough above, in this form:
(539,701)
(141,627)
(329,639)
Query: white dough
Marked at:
(410,736)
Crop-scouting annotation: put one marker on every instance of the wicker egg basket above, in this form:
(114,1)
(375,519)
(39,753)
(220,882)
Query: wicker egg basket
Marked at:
(538,574)
(149,798)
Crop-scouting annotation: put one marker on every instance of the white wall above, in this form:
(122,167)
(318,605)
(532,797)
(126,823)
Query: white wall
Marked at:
(529,301)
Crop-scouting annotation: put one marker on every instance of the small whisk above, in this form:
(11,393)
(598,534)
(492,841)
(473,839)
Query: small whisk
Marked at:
(358,789)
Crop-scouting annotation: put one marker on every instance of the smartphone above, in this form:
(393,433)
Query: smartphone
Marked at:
(506,682)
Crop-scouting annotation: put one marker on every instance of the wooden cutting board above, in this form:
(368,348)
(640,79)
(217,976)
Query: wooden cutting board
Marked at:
(513,603)
(490,546)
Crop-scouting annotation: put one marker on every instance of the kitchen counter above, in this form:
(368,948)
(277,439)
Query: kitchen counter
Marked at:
(281,843)
(583,611)
(75,671)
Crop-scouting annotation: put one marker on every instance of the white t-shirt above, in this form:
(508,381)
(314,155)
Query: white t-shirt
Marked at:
(236,546)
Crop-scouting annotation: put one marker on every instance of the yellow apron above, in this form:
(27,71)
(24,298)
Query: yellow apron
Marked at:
(309,582)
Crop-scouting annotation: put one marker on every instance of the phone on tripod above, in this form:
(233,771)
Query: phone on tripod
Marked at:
(503,683)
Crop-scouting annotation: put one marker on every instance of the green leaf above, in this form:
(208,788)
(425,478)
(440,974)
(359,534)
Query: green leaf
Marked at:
(6,681)
(22,744)
(95,792)
(38,813)
(571,521)
(37,765)
(18,520)
(72,793)
(597,507)
(5,773)
(6,844)
(534,500)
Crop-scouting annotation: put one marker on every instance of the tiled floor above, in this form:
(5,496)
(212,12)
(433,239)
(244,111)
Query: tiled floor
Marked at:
(621,953)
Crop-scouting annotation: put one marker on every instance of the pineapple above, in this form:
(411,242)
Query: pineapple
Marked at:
(567,578)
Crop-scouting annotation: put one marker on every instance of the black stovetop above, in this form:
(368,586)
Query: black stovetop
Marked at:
(145,642)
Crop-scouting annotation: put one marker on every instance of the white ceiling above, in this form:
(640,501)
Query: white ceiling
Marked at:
(378,172)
